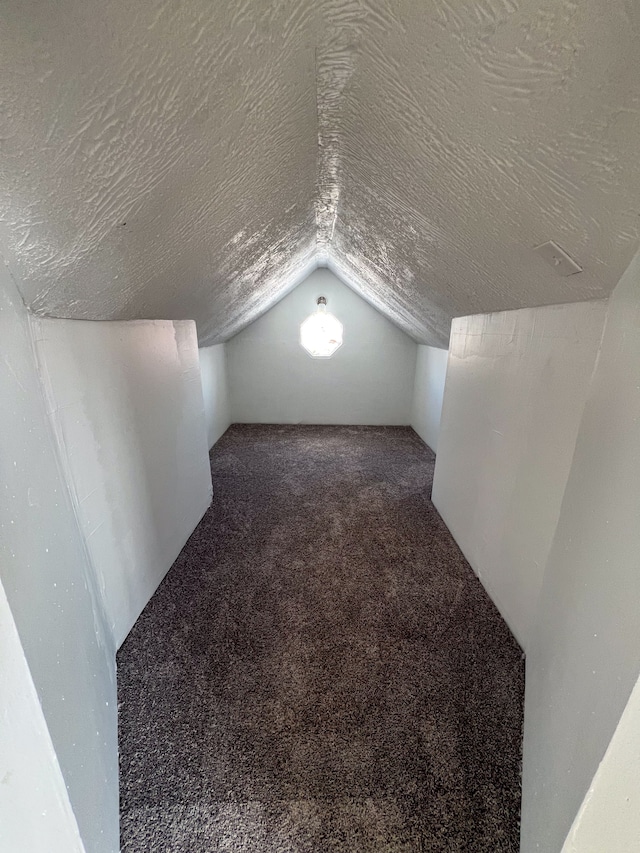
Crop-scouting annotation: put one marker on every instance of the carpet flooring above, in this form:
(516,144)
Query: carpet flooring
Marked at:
(320,670)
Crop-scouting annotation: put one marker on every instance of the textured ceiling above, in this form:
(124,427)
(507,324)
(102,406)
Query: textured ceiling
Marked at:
(196,158)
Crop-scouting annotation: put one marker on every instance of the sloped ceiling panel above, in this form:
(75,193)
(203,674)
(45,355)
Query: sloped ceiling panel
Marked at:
(158,158)
(194,159)
(469,133)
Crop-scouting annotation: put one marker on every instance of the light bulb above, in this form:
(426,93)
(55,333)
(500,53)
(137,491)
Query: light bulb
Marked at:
(321,332)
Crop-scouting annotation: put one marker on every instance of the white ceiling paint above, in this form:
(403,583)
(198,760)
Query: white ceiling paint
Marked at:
(421,148)
(194,123)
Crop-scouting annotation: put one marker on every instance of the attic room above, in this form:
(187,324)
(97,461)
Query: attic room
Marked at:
(320,383)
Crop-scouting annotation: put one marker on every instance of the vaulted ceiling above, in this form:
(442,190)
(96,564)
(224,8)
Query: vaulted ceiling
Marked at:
(195,158)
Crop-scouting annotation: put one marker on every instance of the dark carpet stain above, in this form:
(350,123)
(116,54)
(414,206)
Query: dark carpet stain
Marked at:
(320,670)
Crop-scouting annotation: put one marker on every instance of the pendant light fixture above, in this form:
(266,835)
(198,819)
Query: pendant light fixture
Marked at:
(321,332)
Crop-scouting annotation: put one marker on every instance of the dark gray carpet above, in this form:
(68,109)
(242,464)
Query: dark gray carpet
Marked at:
(320,670)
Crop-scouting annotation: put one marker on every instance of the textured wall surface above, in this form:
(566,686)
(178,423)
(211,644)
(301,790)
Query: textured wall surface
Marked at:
(192,160)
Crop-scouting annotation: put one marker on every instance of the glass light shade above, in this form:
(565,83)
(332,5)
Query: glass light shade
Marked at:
(321,333)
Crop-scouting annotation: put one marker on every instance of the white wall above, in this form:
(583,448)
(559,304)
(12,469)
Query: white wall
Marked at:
(35,812)
(126,406)
(584,655)
(47,577)
(369,380)
(516,387)
(609,818)
(215,392)
(428,393)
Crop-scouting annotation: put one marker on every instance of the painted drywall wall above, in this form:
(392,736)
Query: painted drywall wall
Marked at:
(57,607)
(369,380)
(215,391)
(584,655)
(126,405)
(428,393)
(609,818)
(35,812)
(516,386)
